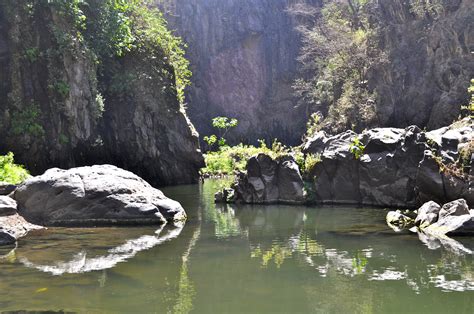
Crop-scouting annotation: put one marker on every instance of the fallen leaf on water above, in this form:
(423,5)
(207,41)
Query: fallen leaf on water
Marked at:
(41,290)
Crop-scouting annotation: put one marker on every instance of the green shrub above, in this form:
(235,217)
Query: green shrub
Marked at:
(357,148)
(26,121)
(10,172)
(234,158)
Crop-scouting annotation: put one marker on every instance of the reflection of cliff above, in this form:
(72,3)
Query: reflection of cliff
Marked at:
(243,54)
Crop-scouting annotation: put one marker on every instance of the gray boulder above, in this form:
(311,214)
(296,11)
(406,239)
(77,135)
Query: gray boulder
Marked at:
(267,181)
(427,214)
(91,196)
(7,206)
(13,227)
(452,226)
(454,208)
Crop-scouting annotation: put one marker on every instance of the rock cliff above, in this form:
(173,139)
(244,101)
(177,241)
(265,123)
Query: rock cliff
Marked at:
(430,63)
(58,109)
(244,60)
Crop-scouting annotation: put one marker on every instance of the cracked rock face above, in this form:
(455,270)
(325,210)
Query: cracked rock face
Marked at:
(93,196)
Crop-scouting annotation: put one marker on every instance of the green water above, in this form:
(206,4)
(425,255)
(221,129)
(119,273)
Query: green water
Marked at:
(240,259)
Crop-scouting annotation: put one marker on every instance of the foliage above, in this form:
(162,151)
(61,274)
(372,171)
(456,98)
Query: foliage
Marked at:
(11,172)
(121,27)
(357,148)
(427,8)
(229,159)
(223,125)
(340,48)
(32,54)
(313,125)
(311,161)
(26,121)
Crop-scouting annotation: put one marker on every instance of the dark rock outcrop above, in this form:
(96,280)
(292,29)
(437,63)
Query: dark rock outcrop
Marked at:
(267,181)
(92,196)
(6,188)
(390,167)
(58,110)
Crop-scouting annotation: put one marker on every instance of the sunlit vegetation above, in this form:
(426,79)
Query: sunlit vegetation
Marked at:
(11,172)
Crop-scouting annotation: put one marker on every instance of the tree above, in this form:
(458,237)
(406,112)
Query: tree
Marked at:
(223,126)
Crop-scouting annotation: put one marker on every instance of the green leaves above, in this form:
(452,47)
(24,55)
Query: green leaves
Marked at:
(357,148)
(10,172)
(224,123)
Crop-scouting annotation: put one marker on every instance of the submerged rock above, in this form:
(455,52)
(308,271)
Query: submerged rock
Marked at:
(266,181)
(90,196)
(396,218)
(13,227)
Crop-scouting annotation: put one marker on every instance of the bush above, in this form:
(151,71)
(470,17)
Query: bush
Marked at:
(10,172)
(234,158)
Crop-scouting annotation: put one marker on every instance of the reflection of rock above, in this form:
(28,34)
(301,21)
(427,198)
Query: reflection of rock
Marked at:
(81,263)
(434,243)
(97,195)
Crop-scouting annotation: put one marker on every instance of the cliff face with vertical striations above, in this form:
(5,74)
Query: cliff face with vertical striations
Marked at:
(57,111)
(244,61)
(430,66)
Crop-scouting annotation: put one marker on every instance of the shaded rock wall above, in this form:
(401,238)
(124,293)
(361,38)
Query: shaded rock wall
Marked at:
(430,64)
(243,55)
(53,114)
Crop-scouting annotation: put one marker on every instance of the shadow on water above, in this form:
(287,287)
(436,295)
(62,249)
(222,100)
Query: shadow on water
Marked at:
(230,258)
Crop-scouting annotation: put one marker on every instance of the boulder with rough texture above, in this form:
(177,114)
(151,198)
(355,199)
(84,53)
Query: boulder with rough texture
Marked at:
(427,214)
(97,195)
(7,206)
(393,167)
(454,208)
(13,227)
(452,226)
(267,181)
(384,174)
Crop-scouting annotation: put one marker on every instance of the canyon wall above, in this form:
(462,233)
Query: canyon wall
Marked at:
(56,111)
(244,61)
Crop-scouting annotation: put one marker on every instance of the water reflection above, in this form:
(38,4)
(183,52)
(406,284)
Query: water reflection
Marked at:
(81,263)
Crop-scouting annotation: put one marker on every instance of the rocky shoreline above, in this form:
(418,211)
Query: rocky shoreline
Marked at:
(100,195)
(382,167)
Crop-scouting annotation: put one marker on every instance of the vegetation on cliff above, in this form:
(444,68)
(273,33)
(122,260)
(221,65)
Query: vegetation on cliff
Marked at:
(363,62)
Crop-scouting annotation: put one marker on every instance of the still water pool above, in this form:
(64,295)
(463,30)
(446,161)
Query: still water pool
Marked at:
(240,259)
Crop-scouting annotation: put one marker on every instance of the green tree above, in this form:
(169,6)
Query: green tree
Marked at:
(223,126)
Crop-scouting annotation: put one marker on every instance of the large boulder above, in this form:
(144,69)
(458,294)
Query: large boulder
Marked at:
(97,195)
(427,214)
(383,174)
(13,227)
(267,181)
(390,167)
(454,208)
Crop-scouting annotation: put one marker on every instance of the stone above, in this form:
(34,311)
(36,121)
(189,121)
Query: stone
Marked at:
(8,206)
(92,196)
(452,226)
(398,219)
(267,181)
(13,227)
(6,188)
(454,208)
(427,214)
